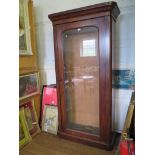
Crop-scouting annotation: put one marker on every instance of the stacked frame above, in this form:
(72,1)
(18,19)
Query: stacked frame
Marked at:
(24,135)
(31,117)
(50,119)
(28,85)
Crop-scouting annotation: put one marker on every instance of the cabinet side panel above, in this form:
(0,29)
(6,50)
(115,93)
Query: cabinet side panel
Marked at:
(113,64)
(57,76)
(106,81)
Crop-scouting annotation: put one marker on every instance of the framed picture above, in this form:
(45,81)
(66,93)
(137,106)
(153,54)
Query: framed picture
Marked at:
(24,135)
(28,85)
(50,119)
(24,29)
(123,79)
(129,116)
(49,96)
(31,117)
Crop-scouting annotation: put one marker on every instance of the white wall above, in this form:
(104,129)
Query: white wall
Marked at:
(124,56)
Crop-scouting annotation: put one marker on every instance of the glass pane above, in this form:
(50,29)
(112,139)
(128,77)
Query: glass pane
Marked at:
(81,71)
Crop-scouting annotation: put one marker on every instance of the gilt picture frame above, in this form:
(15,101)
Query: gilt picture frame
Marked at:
(31,117)
(24,29)
(50,119)
(28,85)
(24,135)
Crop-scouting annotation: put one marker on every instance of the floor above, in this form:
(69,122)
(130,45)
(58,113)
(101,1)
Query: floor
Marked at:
(47,144)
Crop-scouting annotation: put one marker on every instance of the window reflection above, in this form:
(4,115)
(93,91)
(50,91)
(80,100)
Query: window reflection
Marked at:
(88,48)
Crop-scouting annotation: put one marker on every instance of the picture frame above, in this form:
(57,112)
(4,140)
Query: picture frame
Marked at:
(28,85)
(123,79)
(129,116)
(48,97)
(24,29)
(24,135)
(31,117)
(50,119)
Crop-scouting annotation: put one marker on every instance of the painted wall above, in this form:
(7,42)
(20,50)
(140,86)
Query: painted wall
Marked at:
(124,56)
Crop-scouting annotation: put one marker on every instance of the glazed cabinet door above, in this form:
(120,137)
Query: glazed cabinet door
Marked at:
(80,70)
(81,79)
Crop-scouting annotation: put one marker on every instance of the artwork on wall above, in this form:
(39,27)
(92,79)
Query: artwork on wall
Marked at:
(123,79)
(28,85)
(50,119)
(24,29)
(24,135)
(31,117)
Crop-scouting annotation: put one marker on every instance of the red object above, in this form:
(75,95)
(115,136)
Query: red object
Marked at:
(127,147)
(49,97)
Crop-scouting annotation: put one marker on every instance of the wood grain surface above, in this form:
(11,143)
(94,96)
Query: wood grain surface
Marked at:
(47,144)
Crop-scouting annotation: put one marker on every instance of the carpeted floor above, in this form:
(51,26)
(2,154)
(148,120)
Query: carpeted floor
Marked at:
(47,144)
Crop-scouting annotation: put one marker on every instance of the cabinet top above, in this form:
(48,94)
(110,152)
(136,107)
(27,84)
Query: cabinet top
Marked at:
(107,7)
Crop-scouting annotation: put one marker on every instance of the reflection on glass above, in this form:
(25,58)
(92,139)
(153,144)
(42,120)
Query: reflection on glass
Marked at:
(81,62)
(88,48)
